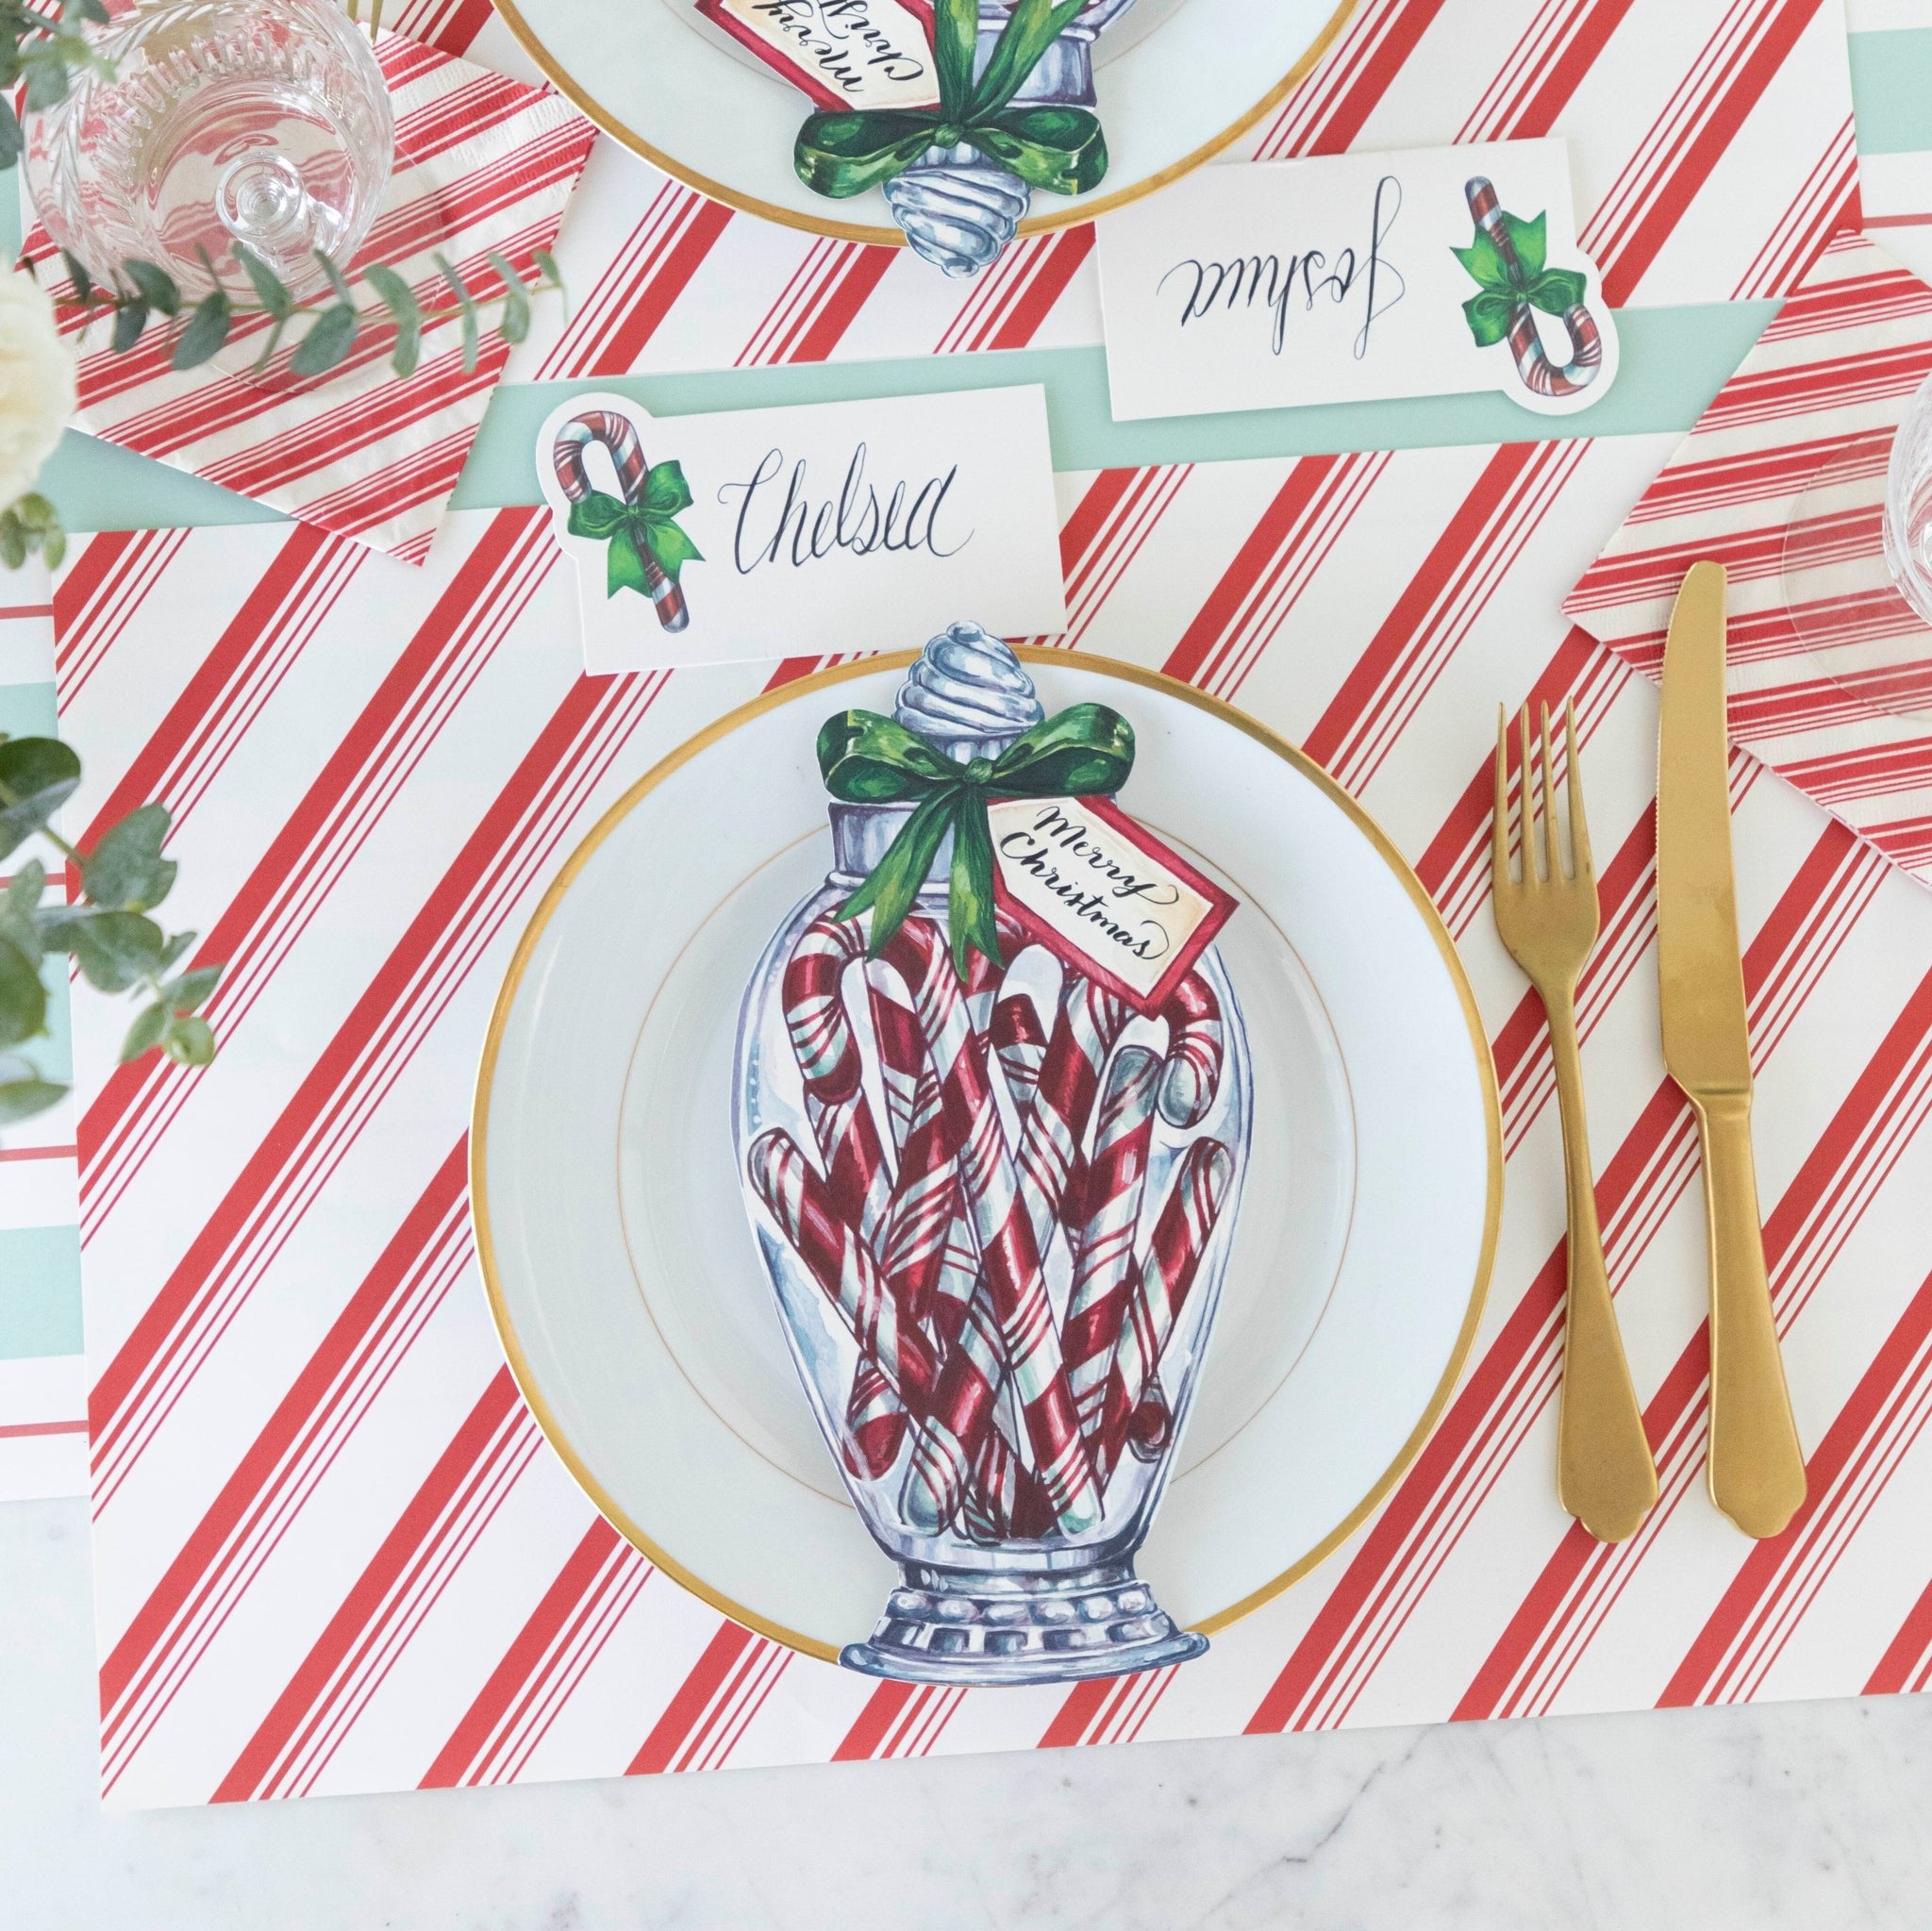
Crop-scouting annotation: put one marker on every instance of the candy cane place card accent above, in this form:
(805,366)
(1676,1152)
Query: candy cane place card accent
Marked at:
(1354,278)
(775,533)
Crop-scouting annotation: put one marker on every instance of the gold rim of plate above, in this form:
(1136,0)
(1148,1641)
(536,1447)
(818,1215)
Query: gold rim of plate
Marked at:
(1083,210)
(804,686)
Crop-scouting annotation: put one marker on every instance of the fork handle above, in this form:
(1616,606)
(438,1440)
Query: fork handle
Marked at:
(1756,1467)
(1605,1474)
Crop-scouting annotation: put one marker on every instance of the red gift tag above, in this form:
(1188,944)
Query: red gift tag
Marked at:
(1104,894)
(854,53)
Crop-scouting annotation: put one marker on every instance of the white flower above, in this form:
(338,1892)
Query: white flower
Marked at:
(36,383)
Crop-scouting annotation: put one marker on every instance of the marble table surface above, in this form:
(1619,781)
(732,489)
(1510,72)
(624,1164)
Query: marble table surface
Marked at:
(1800,1815)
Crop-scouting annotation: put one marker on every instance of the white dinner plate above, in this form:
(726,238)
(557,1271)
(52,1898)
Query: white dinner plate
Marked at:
(1175,81)
(625,1281)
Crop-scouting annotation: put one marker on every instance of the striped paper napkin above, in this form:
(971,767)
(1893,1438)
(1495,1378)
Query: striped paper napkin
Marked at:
(1783,481)
(482,162)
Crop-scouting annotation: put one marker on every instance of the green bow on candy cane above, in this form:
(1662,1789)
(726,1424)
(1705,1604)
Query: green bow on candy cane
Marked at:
(870,759)
(1058,148)
(1505,283)
(636,530)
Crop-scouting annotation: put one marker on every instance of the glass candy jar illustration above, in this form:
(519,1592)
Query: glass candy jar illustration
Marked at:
(995,1197)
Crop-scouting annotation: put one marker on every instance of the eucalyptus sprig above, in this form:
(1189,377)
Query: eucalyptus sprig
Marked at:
(327,325)
(106,932)
(42,48)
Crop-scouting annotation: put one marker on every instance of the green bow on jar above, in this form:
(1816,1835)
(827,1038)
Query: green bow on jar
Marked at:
(1058,148)
(870,759)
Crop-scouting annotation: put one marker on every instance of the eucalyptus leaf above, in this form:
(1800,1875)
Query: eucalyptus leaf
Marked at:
(48,78)
(515,323)
(270,290)
(82,281)
(154,286)
(23,998)
(113,950)
(330,337)
(12,140)
(149,1028)
(20,1099)
(25,889)
(19,930)
(190,1043)
(126,870)
(336,277)
(466,306)
(37,776)
(13,544)
(190,991)
(130,317)
(175,949)
(207,330)
(400,300)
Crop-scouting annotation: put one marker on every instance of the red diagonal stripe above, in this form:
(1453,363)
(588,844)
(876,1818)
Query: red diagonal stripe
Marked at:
(560,1602)
(240,1495)
(686,1709)
(309,1683)
(1257,552)
(1903,1665)
(1760,1574)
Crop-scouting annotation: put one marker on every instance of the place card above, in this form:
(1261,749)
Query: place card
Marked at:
(795,532)
(1352,278)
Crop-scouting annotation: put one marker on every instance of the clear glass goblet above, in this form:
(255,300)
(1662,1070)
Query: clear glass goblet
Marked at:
(261,121)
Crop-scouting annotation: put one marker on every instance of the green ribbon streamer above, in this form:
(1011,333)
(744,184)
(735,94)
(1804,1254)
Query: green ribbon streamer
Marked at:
(868,759)
(1516,275)
(647,527)
(1058,148)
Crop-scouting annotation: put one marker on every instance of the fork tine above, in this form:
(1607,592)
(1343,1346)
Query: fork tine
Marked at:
(1579,825)
(1552,837)
(1499,817)
(1531,877)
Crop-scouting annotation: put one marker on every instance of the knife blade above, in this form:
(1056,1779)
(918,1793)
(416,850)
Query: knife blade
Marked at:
(1755,1466)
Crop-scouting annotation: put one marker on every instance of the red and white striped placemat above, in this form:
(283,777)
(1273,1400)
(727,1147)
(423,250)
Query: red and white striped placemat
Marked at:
(1783,481)
(1711,141)
(482,162)
(332,1551)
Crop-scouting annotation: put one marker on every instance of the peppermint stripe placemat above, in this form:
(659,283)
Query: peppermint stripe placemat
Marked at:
(333,1551)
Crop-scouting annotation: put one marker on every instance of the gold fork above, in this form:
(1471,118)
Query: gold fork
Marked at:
(1548,921)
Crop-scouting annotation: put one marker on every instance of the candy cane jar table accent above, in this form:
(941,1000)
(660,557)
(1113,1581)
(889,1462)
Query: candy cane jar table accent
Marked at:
(995,1200)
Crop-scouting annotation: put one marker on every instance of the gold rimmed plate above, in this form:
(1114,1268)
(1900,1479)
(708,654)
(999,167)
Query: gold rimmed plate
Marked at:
(1175,81)
(623,1277)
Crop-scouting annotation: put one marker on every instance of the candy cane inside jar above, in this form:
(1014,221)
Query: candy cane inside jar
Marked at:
(996,1212)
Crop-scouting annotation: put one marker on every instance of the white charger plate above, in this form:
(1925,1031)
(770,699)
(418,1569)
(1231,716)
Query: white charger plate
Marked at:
(681,93)
(623,1273)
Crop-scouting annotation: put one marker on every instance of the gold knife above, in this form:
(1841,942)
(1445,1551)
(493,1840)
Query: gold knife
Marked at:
(1756,1467)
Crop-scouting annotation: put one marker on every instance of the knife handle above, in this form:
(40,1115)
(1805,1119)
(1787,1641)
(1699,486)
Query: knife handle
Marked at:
(1756,1467)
